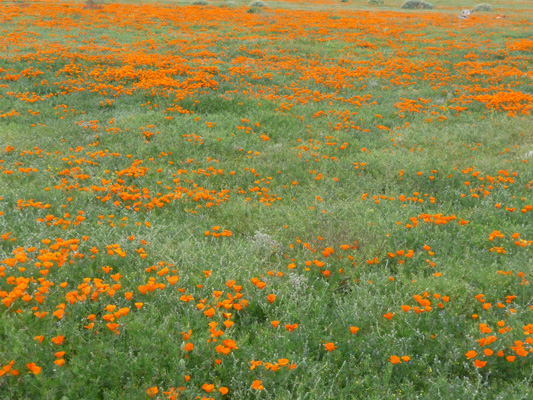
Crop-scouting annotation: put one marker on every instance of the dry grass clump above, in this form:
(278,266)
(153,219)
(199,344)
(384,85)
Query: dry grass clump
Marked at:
(482,7)
(92,4)
(417,4)
(258,4)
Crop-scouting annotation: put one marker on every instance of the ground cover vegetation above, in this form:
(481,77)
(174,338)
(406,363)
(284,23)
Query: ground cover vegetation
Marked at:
(309,201)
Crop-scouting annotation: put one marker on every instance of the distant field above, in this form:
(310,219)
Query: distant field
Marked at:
(308,200)
(500,6)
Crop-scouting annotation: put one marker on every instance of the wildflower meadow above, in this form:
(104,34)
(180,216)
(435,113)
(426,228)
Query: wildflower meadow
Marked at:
(316,199)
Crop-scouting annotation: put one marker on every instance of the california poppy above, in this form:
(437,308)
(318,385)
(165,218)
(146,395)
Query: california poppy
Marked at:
(330,346)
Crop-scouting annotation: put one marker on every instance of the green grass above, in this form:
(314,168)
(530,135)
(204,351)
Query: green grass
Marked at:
(343,165)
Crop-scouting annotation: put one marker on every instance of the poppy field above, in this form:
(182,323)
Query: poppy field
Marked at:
(308,200)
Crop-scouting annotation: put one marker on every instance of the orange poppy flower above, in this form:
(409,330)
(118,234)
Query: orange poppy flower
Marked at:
(208,387)
(471,354)
(389,315)
(59,354)
(58,339)
(330,346)
(230,344)
(223,390)
(354,329)
(255,364)
(210,312)
(39,338)
(60,362)
(34,369)
(395,359)
(228,324)
(290,327)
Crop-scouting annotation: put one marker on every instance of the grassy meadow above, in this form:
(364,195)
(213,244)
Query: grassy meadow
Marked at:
(308,200)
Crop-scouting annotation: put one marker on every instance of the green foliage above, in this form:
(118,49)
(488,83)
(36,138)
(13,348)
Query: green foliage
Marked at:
(199,2)
(254,10)
(376,2)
